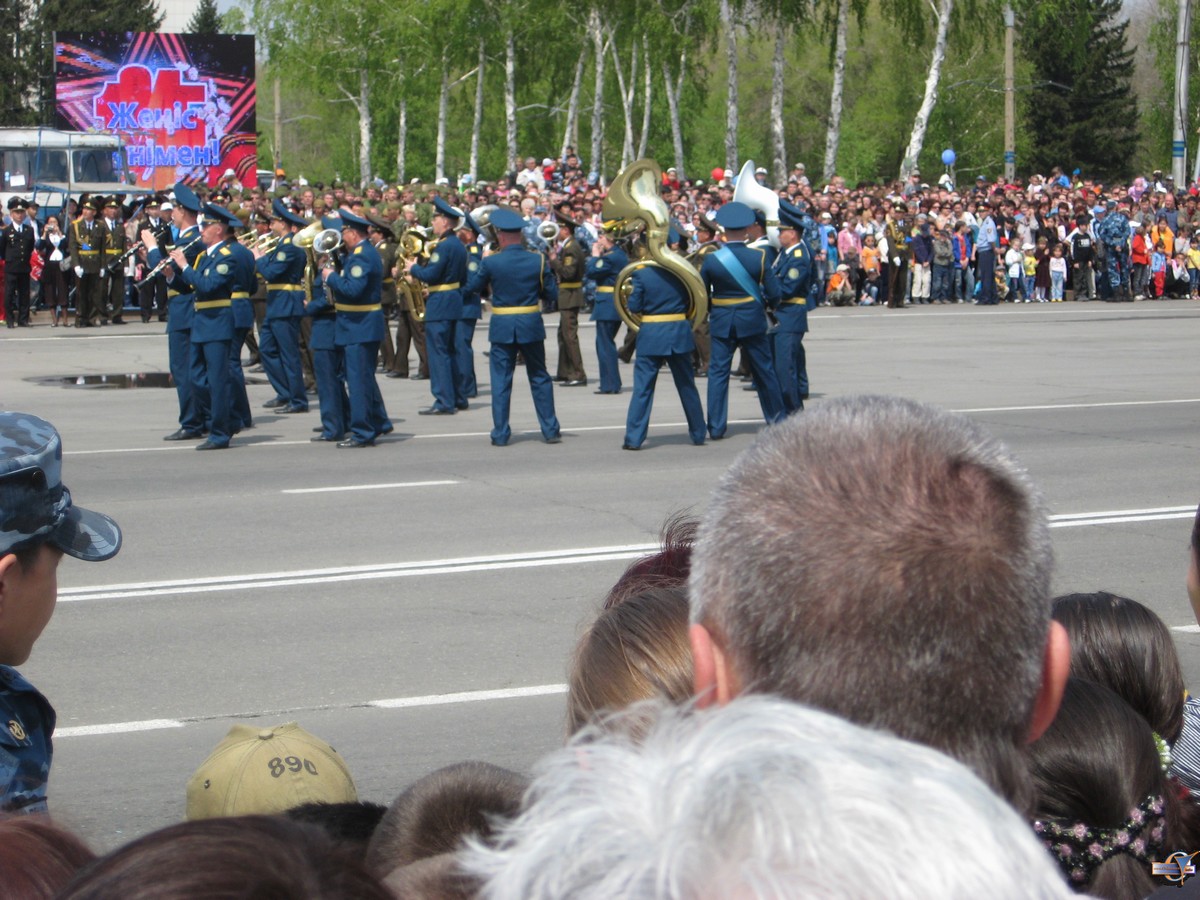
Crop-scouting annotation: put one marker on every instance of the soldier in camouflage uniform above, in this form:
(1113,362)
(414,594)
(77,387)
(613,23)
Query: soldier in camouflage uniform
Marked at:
(38,524)
(1113,231)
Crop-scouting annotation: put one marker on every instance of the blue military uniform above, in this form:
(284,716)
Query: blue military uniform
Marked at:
(794,268)
(187,367)
(358,332)
(464,331)
(444,275)
(243,324)
(26,749)
(520,279)
(329,365)
(604,271)
(279,343)
(734,274)
(214,275)
(665,336)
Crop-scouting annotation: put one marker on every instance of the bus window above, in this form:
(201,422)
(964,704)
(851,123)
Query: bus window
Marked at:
(98,165)
(23,168)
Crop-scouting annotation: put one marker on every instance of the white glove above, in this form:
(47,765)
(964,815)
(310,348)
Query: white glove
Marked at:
(104,273)
(79,271)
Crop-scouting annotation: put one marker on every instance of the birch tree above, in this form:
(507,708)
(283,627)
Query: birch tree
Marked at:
(942,10)
(833,131)
(729,29)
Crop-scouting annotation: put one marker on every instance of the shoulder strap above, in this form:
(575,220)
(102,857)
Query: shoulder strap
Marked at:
(738,272)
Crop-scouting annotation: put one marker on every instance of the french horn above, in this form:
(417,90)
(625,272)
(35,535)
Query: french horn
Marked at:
(634,207)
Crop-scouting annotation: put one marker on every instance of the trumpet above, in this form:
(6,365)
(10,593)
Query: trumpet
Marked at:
(166,261)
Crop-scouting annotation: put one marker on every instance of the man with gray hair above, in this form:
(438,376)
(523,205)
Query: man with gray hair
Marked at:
(888,562)
(763,800)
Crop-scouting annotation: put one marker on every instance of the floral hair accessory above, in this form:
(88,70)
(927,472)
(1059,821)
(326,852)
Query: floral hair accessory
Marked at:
(1080,848)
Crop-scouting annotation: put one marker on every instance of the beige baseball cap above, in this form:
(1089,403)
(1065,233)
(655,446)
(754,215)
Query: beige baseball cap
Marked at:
(268,770)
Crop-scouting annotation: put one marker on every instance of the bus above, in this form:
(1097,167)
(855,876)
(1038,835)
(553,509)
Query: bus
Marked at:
(52,166)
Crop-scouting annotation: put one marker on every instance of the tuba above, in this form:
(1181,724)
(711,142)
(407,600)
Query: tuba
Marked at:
(635,207)
(482,216)
(547,231)
(760,199)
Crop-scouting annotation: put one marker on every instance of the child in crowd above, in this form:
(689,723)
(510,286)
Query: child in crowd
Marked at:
(1041,278)
(1030,272)
(1014,261)
(1002,286)
(1193,267)
(1058,273)
(870,263)
(1158,270)
(38,524)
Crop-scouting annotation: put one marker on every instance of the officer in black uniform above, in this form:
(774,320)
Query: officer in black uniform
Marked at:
(16,247)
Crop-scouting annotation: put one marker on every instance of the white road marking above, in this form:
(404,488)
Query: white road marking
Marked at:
(461,565)
(1122,516)
(537,690)
(1187,629)
(366,487)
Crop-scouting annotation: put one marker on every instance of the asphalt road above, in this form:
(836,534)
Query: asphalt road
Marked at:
(420,609)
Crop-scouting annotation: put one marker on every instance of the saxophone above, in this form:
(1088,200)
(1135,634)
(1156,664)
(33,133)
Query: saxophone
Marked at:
(634,207)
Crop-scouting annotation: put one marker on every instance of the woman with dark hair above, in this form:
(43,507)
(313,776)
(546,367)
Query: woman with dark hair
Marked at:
(53,250)
(37,858)
(1103,808)
(238,856)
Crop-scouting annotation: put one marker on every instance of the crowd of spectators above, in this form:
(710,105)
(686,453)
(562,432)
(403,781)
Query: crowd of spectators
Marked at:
(874,672)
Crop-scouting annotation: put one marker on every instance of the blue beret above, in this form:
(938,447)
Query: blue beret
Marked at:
(186,197)
(350,220)
(221,214)
(735,216)
(445,209)
(507,220)
(280,211)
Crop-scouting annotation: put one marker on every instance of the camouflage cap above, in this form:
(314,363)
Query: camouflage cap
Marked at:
(34,503)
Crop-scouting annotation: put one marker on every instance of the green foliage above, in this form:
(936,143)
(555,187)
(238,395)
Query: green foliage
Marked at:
(1083,111)
(1158,124)
(205,20)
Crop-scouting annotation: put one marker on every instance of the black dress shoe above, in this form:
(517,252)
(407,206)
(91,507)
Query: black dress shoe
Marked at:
(629,447)
(394,375)
(184,435)
(561,378)
(557,439)
(209,445)
(352,444)
(496,443)
(606,392)
(434,411)
(419,377)
(577,382)
(320,437)
(386,429)
(289,410)
(118,321)
(276,403)
(310,392)
(462,405)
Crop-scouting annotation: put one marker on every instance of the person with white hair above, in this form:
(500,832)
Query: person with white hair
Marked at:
(758,799)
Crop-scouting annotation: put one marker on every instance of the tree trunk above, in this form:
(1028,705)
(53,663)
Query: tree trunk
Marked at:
(921,122)
(439,151)
(627,94)
(648,90)
(571,132)
(833,133)
(364,127)
(477,124)
(731,61)
(673,91)
(402,136)
(778,137)
(510,97)
(597,34)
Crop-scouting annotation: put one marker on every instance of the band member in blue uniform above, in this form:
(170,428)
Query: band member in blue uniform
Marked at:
(329,365)
(243,324)
(187,367)
(794,269)
(520,279)
(356,295)
(464,331)
(444,275)
(665,337)
(279,344)
(214,276)
(741,287)
(603,267)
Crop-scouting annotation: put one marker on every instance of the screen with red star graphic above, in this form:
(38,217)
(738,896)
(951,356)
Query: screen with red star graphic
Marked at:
(184,103)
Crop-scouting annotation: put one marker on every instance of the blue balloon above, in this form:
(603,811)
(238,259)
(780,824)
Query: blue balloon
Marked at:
(948,157)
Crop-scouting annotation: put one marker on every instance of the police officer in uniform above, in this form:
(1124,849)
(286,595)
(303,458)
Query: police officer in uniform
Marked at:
(603,267)
(187,365)
(87,243)
(112,279)
(569,263)
(520,279)
(794,268)
(464,331)
(359,329)
(443,275)
(16,248)
(279,347)
(329,364)
(742,287)
(214,276)
(665,337)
